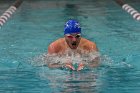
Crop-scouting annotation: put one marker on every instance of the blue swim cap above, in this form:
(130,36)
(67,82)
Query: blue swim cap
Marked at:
(72,26)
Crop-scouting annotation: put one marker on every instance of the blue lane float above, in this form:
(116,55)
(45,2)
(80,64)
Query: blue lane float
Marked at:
(8,13)
(129,9)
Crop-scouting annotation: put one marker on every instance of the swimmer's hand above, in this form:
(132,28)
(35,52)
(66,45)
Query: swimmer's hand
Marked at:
(70,66)
(57,65)
(93,63)
(80,66)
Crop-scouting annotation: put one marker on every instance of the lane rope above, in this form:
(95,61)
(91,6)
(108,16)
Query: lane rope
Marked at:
(9,12)
(135,14)
(129,9)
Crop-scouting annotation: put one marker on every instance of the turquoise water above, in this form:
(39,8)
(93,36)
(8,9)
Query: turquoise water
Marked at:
(37,23)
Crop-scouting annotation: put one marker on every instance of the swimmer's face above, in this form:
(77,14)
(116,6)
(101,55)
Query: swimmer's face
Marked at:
(73,40)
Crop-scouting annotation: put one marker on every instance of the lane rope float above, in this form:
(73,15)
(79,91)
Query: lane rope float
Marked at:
(8,13)
(129,9)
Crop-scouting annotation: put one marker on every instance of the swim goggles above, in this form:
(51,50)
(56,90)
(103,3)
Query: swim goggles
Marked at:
(73,36)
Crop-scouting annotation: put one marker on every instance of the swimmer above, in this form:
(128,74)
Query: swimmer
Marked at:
(73,42)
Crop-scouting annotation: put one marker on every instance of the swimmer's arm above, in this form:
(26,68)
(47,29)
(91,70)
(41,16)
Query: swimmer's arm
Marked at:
(96,60)
(51,49)
(55,65)
(61,65)
(94,63)
(93,47)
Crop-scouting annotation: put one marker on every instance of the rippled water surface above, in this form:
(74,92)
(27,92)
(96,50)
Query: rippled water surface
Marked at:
(25,37)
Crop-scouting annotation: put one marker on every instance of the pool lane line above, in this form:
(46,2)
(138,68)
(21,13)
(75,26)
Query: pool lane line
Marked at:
(133,12)
(8,13)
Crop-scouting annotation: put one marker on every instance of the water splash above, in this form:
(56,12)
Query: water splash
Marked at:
(71,56)
(106,62)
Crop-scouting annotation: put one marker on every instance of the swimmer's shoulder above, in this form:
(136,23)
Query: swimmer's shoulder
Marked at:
(86,41)
(88,44)
(56,46)
(58,42)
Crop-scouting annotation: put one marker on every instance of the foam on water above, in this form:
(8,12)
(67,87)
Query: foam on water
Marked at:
(106,62)
(71,56)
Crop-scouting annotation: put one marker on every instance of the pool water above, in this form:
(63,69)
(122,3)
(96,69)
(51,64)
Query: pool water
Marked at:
(36,24)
